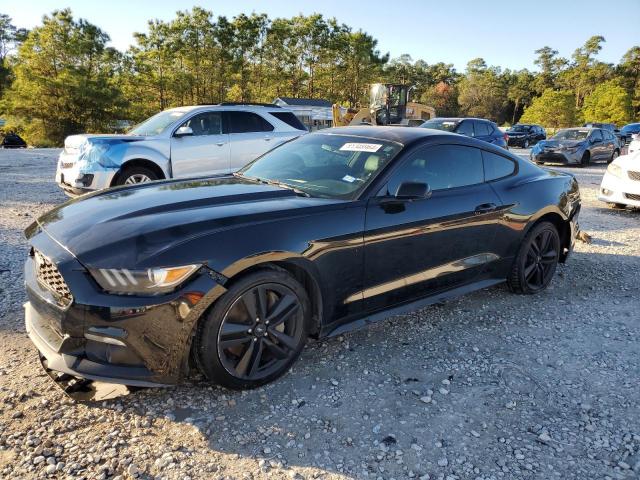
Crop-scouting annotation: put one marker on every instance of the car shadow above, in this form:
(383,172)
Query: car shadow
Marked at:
(417,383)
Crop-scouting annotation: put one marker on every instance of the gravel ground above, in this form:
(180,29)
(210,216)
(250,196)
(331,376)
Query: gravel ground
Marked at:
(489,386)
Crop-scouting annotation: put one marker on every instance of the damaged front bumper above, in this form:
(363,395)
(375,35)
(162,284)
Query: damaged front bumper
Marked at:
(73,176)
(95,338)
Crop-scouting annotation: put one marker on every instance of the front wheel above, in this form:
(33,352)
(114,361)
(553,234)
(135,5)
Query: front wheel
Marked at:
(134,175)
(526,144)
(254,332)
(585,160)
(536,261)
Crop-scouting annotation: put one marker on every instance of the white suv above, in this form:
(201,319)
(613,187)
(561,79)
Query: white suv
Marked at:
(179,142)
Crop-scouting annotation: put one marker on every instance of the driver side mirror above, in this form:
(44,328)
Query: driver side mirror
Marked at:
(183,132)
(412,191)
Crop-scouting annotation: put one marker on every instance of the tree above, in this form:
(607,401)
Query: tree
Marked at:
(520,91)
(553,109)
(483,93)
(608,103)
(550,65)
(443,97)
(63,80)
(629,72)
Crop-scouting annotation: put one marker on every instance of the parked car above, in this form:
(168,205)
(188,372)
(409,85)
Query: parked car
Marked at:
(479,128)
(631,131)
(622,137)
(577,146)
(13,140)
(326,233)
(621,182)
(176,143)
(634,146)
(525,135)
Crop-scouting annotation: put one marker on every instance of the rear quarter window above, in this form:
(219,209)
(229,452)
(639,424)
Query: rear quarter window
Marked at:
(496,166)
(290,119)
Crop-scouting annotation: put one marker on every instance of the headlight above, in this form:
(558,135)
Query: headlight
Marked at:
(615,170)
(572,148)
(152,281)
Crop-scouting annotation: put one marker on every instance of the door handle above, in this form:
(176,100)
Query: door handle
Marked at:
(266,139)
(485,208)
(220,144)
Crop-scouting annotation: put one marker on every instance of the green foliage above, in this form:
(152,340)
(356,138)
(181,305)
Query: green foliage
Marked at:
(63,80)
(608,103)
(554,108)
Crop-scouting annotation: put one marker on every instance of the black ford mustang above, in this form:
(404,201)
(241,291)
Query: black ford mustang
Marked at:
(232,274)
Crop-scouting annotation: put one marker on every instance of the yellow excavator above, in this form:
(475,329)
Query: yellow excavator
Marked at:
(388,105)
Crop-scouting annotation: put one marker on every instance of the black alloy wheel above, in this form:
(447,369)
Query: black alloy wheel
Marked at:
(255,332)
(537,260)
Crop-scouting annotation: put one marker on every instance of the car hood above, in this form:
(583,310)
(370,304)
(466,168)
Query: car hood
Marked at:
(560,143)
(73,142)
(629,162)
(126,227)
(514,133)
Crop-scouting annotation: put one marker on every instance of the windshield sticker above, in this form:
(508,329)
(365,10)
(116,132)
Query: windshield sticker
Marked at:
(348,178)
(360,147)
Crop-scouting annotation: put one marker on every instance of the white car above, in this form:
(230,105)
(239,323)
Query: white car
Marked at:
(176,143)
(634,146)
(621,182)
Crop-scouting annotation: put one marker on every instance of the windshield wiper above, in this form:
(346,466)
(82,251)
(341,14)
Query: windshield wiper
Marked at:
(274,183)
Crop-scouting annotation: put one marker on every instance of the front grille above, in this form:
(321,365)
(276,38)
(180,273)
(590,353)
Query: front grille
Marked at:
(50,278)
(634,175)
(632,196)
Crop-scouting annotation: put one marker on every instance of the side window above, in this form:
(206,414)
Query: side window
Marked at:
(246,122)
(465,128)
(496,166)
(207,123)
(596,135)
(482,129)
(441,166)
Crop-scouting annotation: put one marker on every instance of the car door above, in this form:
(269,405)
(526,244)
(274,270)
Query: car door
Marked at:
(251,135)
(205,151)
(417,247)
(597,145)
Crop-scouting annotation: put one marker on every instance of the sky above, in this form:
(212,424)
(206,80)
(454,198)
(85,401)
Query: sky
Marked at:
(505,34)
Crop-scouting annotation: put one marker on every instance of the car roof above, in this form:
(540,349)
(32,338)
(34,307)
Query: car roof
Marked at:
(457,119)
(222,106)
(404,135)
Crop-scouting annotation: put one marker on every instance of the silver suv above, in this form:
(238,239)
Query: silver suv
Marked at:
(179,142)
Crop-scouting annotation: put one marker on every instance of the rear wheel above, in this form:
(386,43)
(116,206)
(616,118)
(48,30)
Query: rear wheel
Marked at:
(526,143)
(254,332)
(536,261)
(134,175)
(614,155)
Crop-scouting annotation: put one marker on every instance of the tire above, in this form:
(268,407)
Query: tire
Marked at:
(234,350)
(135,175)
(536,261)
(526,144)
(614,155)
(616,206)
(585,161)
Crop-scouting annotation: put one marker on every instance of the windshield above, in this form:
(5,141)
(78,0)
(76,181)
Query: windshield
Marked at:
(324,165)
(519,128)
(440,124)
(157,123)
(571,135)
